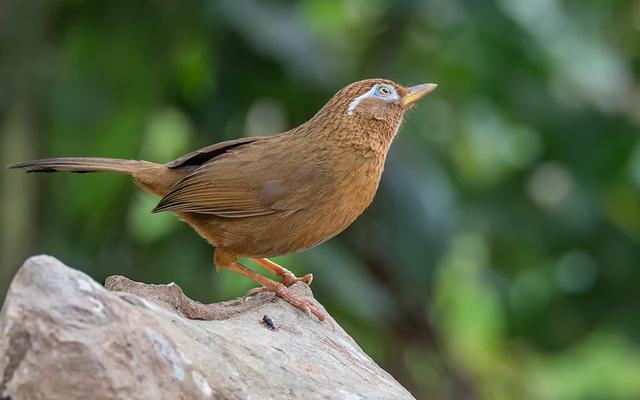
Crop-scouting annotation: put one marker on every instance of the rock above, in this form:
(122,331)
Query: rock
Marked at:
(64,336)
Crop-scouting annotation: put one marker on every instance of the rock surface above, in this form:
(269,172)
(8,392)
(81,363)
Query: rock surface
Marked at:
(64,336)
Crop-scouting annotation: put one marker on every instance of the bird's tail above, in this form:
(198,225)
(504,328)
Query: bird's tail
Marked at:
(152,177)
(82,164)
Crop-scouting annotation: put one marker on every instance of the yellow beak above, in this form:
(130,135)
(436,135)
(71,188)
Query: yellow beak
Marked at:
(417,92)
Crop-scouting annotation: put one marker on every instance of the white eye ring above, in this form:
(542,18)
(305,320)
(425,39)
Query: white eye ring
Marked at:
(384,91)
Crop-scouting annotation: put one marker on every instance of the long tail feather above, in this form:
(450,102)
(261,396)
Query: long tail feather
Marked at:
(80,164)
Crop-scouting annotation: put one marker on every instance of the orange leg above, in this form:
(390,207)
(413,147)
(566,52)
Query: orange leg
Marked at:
(280,290)
(287,278)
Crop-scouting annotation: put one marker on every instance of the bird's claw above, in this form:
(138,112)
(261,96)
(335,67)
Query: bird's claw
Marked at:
(254,291)
(302,303)
(289,279)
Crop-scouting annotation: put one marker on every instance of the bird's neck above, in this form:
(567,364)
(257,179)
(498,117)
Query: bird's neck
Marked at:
(355,131)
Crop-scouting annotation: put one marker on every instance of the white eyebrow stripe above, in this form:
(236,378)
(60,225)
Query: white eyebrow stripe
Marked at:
(356,101)
(370,93)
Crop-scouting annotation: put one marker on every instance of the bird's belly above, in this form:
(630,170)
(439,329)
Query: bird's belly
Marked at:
(275,235)
(281,233)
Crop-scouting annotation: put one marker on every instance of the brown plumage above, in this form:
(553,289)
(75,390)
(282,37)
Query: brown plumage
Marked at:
(266,196)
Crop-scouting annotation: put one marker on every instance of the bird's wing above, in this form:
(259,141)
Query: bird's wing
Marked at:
(201,156)
(257,179)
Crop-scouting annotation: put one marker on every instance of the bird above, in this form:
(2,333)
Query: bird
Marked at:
(264,196)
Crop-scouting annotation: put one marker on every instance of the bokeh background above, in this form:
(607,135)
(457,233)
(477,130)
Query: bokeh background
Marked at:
(501,257)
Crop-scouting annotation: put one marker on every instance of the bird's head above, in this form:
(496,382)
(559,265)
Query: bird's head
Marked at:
(382,99)
(372,107)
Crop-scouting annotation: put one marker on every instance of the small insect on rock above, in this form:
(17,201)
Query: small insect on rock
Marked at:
(268,322)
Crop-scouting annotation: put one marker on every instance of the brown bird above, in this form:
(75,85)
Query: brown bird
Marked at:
(266,196)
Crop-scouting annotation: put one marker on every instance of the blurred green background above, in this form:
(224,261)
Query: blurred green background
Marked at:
(501,256)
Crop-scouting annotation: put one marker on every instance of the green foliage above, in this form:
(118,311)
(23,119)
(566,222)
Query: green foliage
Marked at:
(500,259)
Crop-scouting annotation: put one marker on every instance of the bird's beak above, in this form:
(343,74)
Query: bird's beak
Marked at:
(417,92)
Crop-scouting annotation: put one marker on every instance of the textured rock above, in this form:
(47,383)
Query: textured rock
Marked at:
(64,336)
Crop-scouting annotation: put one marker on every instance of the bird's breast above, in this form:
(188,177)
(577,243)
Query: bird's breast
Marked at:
(353,191)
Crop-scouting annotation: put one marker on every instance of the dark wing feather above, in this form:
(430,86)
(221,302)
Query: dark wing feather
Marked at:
(207,153)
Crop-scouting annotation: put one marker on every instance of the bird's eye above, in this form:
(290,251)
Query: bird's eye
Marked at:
(384,91)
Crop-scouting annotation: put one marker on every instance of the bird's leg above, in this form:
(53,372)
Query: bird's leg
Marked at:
(279,290)
(287,278)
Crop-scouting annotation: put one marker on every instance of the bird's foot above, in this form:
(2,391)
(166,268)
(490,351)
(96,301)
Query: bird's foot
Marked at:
(279,289)
(300,302)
